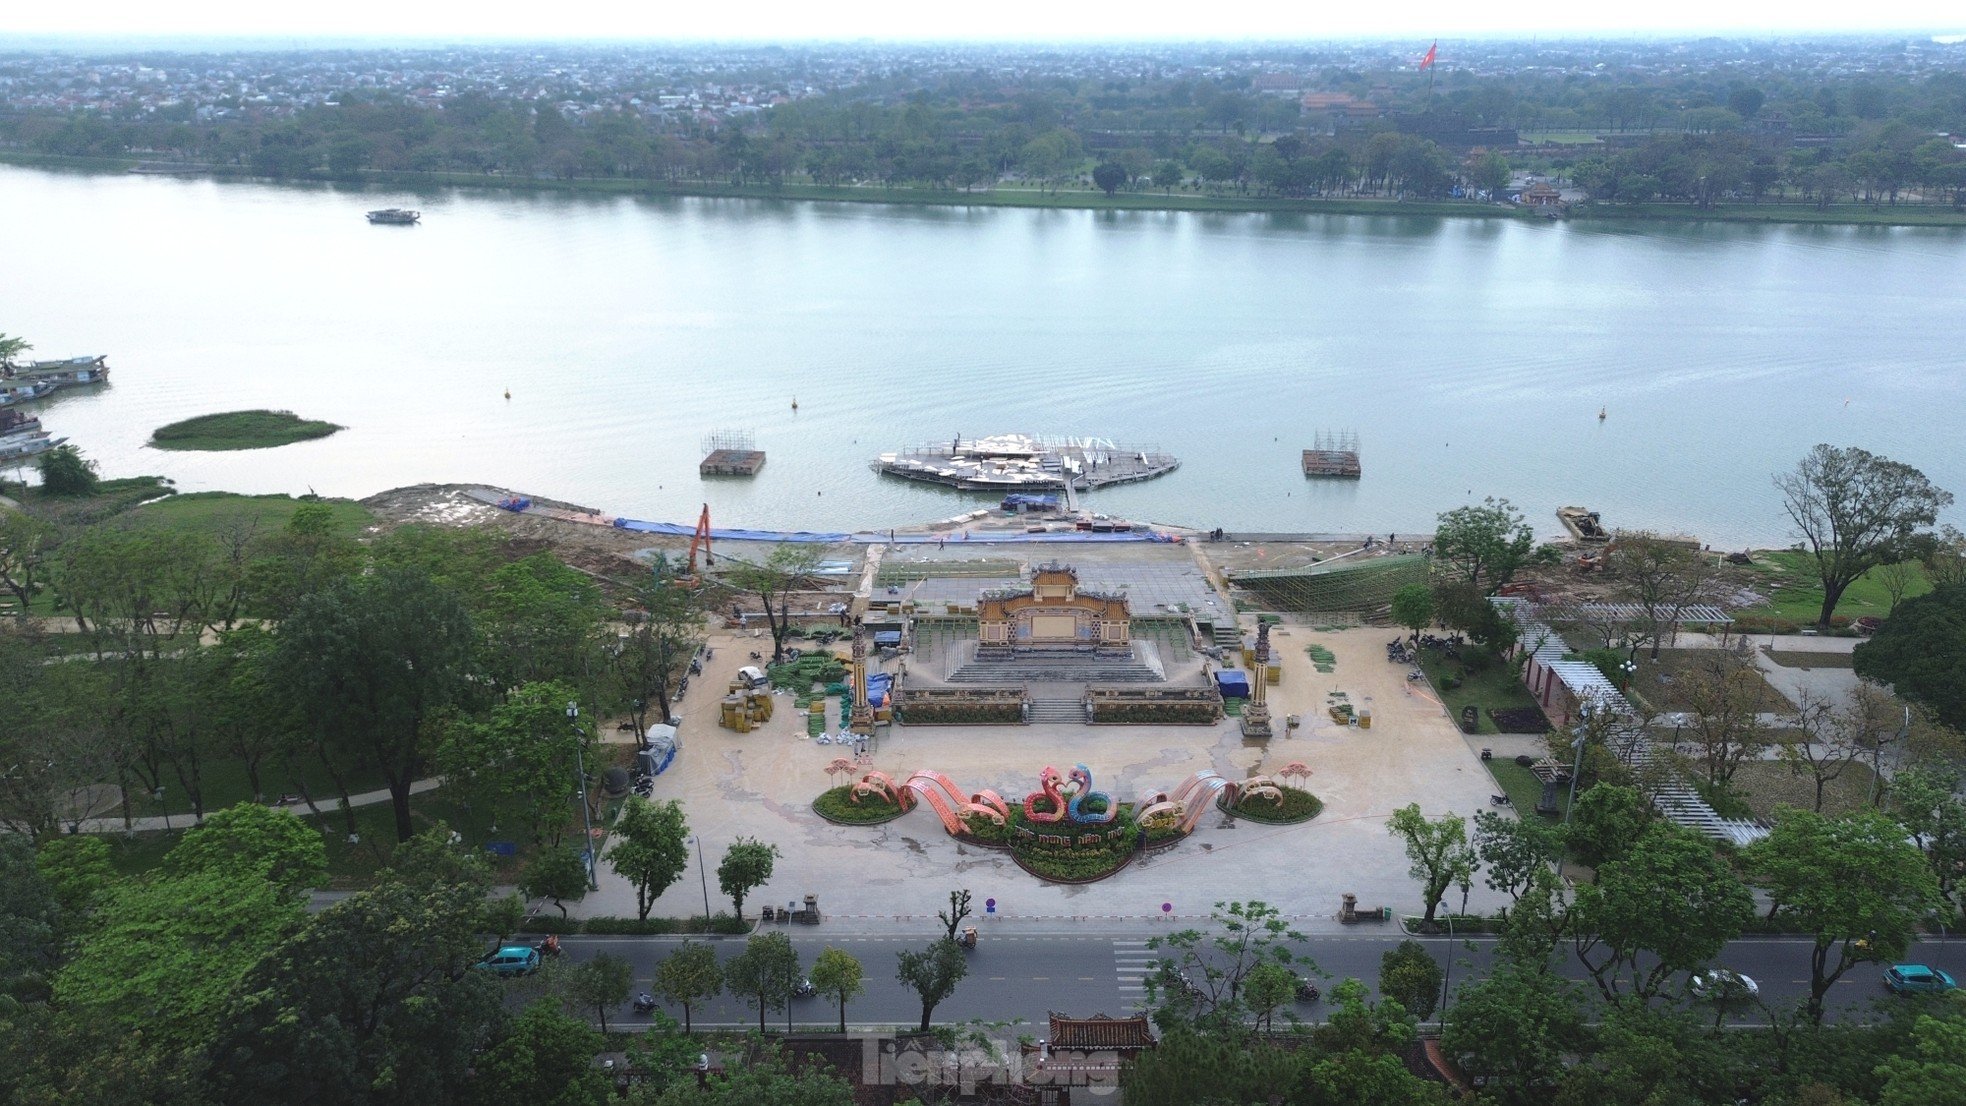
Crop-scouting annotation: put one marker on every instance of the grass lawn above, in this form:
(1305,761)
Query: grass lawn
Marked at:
(1795,591)
(213,511)
(1796,658)
(1764,785)
(227,430)
(1491,687)
(1524,789)
(1662,684)
(112,497)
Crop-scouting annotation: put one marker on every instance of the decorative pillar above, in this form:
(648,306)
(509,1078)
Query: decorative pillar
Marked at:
(861,721)
(1256,713)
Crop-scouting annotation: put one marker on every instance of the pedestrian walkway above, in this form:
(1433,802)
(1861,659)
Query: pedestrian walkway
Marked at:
(1133,962)
(159,823)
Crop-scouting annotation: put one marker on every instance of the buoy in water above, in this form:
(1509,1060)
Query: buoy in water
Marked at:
(508,393)
(795,403)
(1600,414)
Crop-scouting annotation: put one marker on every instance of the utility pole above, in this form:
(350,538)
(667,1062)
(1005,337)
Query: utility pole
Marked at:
(580,765)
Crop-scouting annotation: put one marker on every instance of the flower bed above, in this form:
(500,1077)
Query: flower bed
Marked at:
(837,806)
(1298,806)
(1072,865)
(1519,720)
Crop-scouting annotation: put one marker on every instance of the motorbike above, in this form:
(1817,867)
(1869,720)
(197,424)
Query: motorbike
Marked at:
(1307,991)
(644,1003)
(548,948)
(804,989)
(968,938)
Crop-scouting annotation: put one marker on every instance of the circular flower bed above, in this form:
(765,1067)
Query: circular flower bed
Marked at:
(1298,806)
(838,806)
(1088,865)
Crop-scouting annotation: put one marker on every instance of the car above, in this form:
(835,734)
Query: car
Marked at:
(1916,979)
(1721,985)
(510,960)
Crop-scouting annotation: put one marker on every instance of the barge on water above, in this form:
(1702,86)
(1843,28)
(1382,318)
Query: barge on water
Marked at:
(1583,524)
(1024,462)
(56,374)
(395,216)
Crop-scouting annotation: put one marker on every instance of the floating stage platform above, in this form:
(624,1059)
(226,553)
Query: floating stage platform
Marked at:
(1333,455)
(730,453)
(1022,462)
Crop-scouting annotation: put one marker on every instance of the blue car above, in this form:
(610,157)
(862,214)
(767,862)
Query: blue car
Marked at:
(1916,979)
(510,960)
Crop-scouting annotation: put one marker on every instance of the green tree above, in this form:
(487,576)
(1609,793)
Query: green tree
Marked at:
(1240,937)
(521,762)
(1108,176)
(838,976)
(77,871)
(1855,510)
(1268,988)
(25,543)
(1438,851)
(1514,1030)
(1920,652)
(1945,558)
(1667,907)
(599,984)
(1662,579)
(30,924)
(1854,884)
(650,850)
(688,976)
(541,621)
(746,866)
(785,571)
(1606,822)
(932,974)
(763,1078)
(1409,975)
(1413,607)
(1645,1055)
(665,627)
(1485,544)
(558,873)
(1933,1073)
(309,552)
(764,973)
(12,347)
(1490,173)
(545,1057)
(269,844)
(371,663)
(1926,802)
(65,472)
(1512,850)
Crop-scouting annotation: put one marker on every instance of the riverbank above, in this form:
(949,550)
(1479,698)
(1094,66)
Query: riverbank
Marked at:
(1077,199)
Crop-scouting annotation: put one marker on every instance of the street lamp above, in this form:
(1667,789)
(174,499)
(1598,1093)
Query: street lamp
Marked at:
(1576,769)
(703,877)
(580,765)
(1628,668)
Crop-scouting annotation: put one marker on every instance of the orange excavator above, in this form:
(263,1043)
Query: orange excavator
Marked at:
(701,540)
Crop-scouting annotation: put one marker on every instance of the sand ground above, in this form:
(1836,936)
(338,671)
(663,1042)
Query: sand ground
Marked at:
(761,784)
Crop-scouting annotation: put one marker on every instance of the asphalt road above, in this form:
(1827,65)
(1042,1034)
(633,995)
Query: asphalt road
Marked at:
(1020,977)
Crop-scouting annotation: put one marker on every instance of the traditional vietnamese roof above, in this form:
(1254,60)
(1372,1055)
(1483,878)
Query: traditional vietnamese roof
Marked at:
(1100,1031)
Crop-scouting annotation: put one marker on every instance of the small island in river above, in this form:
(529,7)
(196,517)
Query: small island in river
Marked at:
(240,430)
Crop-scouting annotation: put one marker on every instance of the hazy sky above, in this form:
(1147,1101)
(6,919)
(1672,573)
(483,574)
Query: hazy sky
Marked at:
(1001,20)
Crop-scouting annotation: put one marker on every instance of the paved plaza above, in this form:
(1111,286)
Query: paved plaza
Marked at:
(761,784)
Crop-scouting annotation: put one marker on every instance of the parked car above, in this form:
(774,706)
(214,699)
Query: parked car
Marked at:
(1916,979)
(510,960)
(1721,985)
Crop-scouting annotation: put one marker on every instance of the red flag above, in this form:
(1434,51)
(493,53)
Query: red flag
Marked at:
(1428,61)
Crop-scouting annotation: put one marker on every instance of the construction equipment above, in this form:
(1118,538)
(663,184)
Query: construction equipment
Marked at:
(701,540)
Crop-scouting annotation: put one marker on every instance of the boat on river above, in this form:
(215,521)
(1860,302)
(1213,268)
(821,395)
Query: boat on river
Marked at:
(1024,462)
(395,216)
(17,391)
(88,369)
(19,447)
(1583,524)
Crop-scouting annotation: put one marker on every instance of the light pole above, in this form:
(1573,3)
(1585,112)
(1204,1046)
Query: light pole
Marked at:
(1576,769)
(703,876)
(580,766)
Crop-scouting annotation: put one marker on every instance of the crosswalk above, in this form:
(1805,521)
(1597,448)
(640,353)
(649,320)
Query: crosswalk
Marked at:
(1133,962)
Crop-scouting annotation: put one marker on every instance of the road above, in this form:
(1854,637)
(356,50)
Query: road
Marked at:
(1019,976)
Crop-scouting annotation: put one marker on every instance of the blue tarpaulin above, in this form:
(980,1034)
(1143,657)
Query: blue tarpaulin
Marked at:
(878,685)
(868,537)
(1026,501)
(1233,683)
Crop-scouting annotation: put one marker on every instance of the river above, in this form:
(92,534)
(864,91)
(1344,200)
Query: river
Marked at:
(1471,357)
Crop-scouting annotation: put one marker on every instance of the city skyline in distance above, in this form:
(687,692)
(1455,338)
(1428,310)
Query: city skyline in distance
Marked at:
(374,22)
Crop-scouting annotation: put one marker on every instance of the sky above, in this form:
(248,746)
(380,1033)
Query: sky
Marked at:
(925,20)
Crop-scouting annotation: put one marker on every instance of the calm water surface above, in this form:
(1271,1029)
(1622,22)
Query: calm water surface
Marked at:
(1470,356)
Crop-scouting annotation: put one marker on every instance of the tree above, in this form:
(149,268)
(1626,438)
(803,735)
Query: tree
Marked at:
(933,974)
(1920,651)
(600,984)
(24,545)
(1829,740)
(746,866)
(1855,510)
(65,472)
(1945,558)
(688,976)
(1606,822)
(541,621)
(650,850)
(1438,849)
(556,873)
(1662,579)
(1667,907)
(1409,975)
(306,554)
(1268,987)
(837,975)
(1108,176)
(269,844)
(1491,173)
(665,628)
(1932,1074)
(1167,176)
(1726,698)
(1485,544)
(12,347)
(370,662)
(785,571)
(521,762)
(761,1078)
(1241,936)
(543,1058)
(30,923)
(1925,799)
(1413,607)
(764,973)
(952,918)
(1511,851)
(1513,1030)
(1853,883)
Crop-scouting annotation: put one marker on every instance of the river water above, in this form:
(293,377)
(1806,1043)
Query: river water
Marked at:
(1471,357)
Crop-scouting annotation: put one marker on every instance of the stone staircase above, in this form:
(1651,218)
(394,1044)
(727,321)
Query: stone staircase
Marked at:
(1077,670)
(1060,711)
(1228,635)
